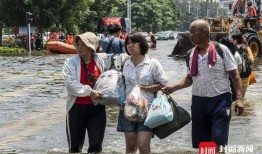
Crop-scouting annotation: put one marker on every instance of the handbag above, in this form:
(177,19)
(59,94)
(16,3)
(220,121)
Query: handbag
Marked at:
(252,78)
(181,118)
(160,112)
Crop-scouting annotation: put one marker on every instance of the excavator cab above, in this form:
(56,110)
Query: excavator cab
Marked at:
(223,27)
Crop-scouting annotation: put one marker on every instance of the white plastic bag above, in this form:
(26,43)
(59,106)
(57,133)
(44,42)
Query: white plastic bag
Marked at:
(136,107)
(112,87)
(160,112)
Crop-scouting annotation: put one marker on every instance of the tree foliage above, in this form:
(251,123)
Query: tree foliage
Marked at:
(78,16)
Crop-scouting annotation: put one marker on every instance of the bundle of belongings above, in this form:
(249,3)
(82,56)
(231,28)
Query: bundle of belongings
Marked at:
(136,107)
(111,85)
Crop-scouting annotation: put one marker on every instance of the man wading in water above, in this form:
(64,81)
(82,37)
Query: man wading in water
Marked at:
(208,73)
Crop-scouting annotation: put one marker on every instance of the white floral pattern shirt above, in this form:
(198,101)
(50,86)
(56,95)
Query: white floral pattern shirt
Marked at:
(213,81)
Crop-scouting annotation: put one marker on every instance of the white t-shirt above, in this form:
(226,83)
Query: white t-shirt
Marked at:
(214,81)
(237,58)
(148,72)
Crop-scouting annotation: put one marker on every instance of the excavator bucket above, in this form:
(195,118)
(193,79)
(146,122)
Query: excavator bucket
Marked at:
(184,43)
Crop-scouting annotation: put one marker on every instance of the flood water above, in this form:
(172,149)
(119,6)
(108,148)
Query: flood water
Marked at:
(32,108)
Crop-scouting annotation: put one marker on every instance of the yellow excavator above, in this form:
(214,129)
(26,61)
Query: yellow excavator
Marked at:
(223,27)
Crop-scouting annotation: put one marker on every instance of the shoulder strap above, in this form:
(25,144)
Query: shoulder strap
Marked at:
(109,45)
(188,56)
(120,45)
(88,73)
(218,49)
(84,64)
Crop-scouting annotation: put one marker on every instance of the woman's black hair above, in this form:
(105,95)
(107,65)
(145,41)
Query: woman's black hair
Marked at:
(230,45)
(137,38)
(249,3)
(238,37)
(113,28)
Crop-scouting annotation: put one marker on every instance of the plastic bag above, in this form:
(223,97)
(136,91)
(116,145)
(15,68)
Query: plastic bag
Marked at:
(160,112)
(136,107)
(112,87)
(181,118)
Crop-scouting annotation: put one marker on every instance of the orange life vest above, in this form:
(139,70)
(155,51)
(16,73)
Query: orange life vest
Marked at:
(69,39)
(52,36)
(123,36)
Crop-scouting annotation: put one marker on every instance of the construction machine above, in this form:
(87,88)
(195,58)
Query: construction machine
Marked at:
(224,27)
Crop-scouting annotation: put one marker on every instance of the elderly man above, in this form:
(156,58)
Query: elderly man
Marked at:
(208,73)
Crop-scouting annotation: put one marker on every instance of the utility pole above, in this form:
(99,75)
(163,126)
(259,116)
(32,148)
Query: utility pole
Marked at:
(189,2)
(28,21)
(129,14)
(207,7)
(197,8)
(217,10)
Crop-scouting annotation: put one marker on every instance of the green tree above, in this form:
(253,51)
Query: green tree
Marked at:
(45,12)
(74,15)
(1,22)
(154,15)
(78,16)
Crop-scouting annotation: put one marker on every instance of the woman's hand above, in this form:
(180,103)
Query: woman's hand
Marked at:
(95,94)
(150,88)
(168,89)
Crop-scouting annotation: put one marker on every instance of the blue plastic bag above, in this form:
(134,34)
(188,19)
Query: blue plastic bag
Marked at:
(160,112)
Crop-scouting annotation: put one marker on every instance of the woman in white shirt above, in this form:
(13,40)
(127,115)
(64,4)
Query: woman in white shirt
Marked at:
(232,47)
(147,73)
(247,60)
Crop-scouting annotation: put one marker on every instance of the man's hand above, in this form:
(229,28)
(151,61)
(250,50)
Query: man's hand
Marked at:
(239,106)
(168,89)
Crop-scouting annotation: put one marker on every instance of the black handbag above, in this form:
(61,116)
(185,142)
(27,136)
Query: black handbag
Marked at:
(181,118)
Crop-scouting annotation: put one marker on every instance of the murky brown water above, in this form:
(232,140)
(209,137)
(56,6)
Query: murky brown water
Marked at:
(32,107)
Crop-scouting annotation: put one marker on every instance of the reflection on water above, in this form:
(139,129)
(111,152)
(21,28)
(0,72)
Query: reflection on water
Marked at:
(32,107)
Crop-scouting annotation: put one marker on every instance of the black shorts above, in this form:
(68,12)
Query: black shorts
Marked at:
(210,119)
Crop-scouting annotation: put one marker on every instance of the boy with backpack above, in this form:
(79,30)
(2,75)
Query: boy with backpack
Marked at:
(113,43)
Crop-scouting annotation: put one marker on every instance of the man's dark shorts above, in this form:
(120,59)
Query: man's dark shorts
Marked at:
(210,119)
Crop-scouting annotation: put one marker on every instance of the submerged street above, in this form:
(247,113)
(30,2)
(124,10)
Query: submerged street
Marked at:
(33,99)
